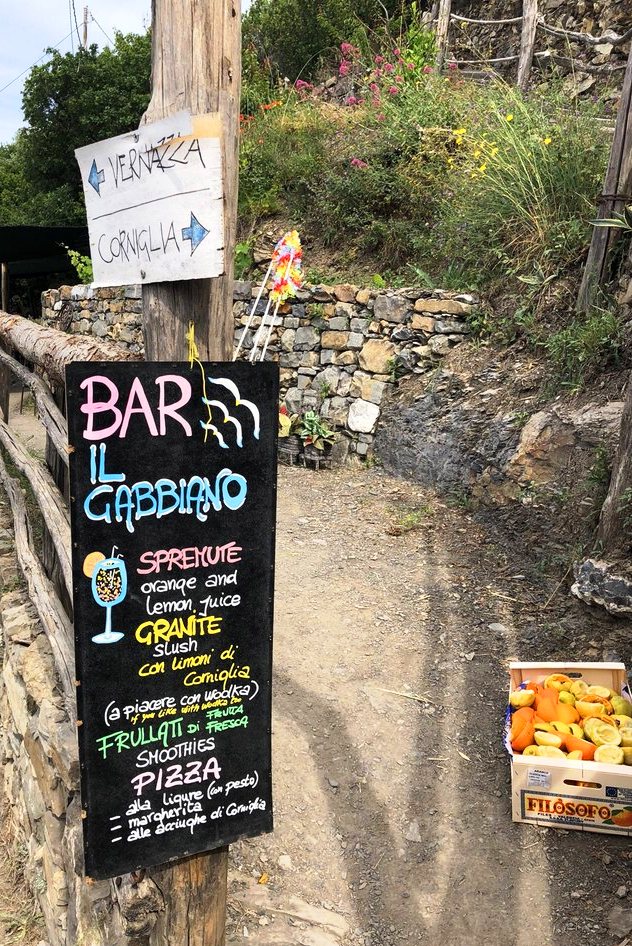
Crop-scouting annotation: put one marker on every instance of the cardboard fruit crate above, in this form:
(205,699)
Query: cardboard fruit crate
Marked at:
(561,793)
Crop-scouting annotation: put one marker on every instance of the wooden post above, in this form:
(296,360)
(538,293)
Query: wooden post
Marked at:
(617,192)
(443,26)
(5,288)
(196,65)
(527,42)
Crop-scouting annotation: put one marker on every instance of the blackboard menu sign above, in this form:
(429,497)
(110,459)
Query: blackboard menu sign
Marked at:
(173,495)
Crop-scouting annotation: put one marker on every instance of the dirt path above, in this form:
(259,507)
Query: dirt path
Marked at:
(393,822)
(391,813)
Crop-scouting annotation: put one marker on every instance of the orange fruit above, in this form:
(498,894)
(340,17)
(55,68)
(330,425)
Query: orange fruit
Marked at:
(586,748)
(522,733)
(623,819)
(566,713)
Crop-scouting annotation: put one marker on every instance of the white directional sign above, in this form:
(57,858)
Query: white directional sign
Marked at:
(154,200)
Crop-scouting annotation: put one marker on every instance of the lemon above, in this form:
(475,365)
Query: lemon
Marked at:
(612,755)
(578,688)
(543,727)
(558,681)
(575,755)
(586,710)
(627,755)
(620,705)
(603,734)
(522,698)
(566,697)
(557,726)
(530,750)
(576,730)
(599,691)
(626,736)
(551,751)
(548,739)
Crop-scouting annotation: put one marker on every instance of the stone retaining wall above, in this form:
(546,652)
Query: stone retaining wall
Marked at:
(340,348)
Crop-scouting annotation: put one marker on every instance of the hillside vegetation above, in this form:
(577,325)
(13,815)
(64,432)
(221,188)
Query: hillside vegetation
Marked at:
(400,175)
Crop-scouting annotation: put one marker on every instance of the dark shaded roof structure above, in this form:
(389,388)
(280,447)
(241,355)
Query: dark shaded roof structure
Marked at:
(31,250)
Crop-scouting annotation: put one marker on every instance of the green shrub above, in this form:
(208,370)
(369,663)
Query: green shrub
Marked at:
(587,344)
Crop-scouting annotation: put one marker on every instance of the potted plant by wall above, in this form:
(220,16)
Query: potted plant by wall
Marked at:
(290,443)
(317,437)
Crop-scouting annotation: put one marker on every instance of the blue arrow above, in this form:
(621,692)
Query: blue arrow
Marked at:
(195,233)
(96,177)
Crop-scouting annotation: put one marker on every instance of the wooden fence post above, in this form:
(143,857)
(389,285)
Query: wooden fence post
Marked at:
(617,192)
(443,26)
(196,65)
(5,374)
(527,42)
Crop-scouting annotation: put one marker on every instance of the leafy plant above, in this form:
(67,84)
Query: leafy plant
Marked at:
(618,222)
(82,265)
(243,258)
(315,431)
(289,424)
(586,344)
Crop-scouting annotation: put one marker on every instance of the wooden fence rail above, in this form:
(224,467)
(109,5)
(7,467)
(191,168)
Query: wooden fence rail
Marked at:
(46,352)
(531,22)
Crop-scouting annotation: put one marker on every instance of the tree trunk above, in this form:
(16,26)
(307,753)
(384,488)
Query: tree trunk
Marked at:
(51,350)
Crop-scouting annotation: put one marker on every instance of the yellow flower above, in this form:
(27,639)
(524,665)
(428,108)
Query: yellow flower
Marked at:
(477,153)
(459,132)
(546,141)
(450,161)
(493,152)
(509,118)
(483,168)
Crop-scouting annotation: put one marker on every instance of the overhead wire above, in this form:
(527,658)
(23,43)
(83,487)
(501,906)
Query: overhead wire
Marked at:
(94,20)
(28,68)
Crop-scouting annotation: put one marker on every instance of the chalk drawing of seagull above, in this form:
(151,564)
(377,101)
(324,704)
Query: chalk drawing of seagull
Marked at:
(215,432)
(228,418)
(240,402)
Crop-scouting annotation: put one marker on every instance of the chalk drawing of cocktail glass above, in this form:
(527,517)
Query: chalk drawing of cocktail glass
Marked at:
(109,587)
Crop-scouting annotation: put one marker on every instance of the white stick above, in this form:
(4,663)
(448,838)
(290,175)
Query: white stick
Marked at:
(260,331)
(276,309)
(252,312)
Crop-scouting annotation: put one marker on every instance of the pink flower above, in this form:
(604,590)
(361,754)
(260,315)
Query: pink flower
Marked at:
(343,68)
(378,73)
(379,60)
(389,67)
(381,117)
(396,52)
(393,90)
(399,79)
(357,163)
(301,84)
(346,48)
(452,66)
(374,87)
(375,102)
(351,100)
(427,69)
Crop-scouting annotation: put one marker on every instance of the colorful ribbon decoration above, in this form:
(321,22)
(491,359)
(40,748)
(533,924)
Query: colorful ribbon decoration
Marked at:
(286,272)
